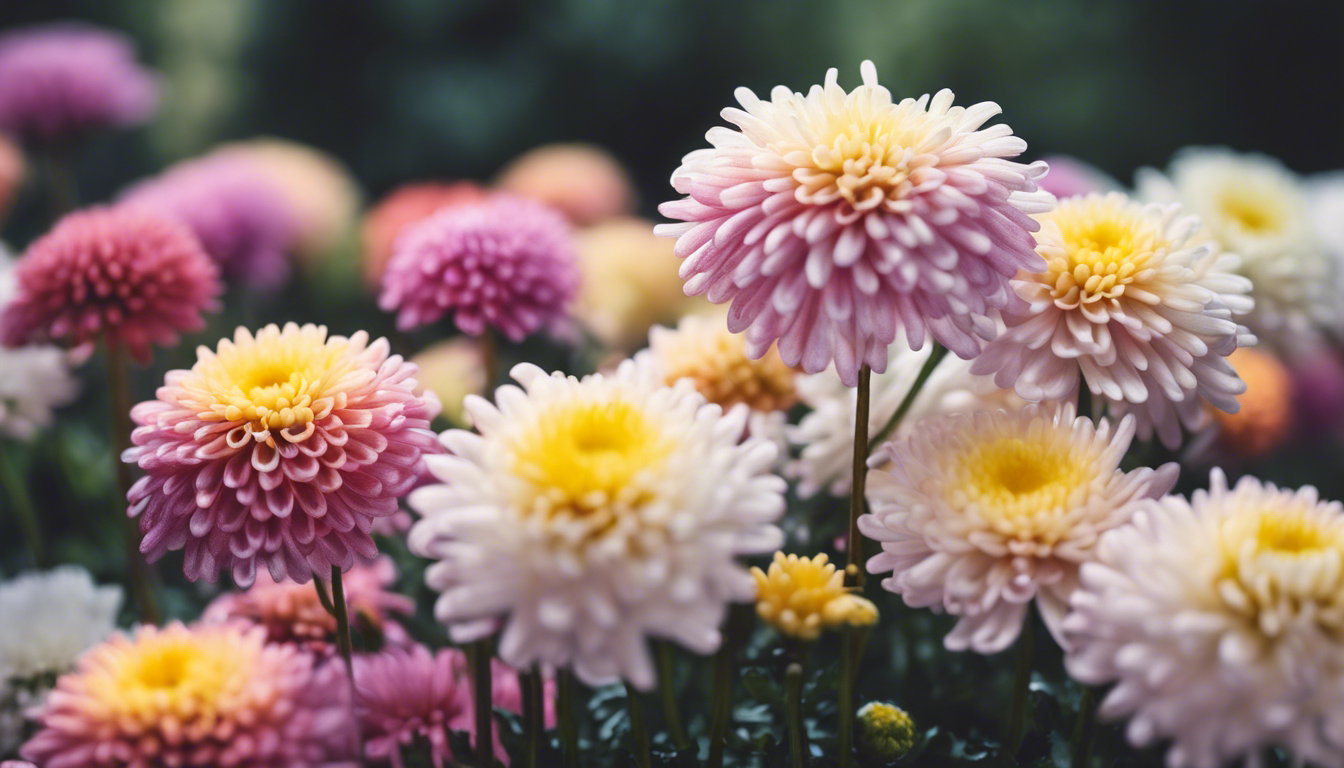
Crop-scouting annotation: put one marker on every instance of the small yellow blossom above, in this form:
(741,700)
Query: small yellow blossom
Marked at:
(800,596)
(886,732)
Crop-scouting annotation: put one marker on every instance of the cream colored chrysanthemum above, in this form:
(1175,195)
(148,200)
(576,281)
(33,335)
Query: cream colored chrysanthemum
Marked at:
(1255,207)
(980,514)
(452,370)
(1221,621)
(800,596)
(1146,314)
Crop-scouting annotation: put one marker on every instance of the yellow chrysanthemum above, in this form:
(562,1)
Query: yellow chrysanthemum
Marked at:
(800,596)
(702,349)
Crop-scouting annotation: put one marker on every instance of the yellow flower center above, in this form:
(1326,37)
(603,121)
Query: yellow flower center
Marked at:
(1252,211)
(800,596)
(1015,484)
(716,360)
(1107,247)
(1290,535)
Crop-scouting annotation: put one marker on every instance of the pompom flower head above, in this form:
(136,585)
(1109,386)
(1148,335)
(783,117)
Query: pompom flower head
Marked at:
(279,448)
(61,81)
(239,214)
(800,596)
(402,207)
(980,514)
(194,697)
(133,276)
(1221,622)
(572,516)
(506,263)
(835,220)
(1133,302)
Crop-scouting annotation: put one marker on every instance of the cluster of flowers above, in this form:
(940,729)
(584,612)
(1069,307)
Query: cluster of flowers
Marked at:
(856,239)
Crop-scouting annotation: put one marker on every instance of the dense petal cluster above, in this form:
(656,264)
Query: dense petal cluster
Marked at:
(279,449)
(572,517)
(1132,299)
(239,214)
(980,514)
(60,81)
(1221,622)
(800,596)
(133,276)
(833,221)
(402,207)
(194,697)
(506,263)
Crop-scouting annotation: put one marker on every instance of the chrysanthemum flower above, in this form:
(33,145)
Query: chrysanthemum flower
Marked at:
(237,212)
(279,449)
(826,434)
(1129,298)
(452,370)
(506,263)
(60,81)
(1221,621)
(1256,208)
(37,377)
(133,276)
(402,207)
(583,182)
(1318,393)
(50,619)
(980,514)
(590,514)
(885,732)
(800,596)
(629,283)
(1265,419)
(1070,176)
(194,697)
(293,613)
(835,220)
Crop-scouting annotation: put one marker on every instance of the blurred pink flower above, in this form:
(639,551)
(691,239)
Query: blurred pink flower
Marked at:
(13,172)
(1069,177)
(401,208)
(583,182)
(1318,386)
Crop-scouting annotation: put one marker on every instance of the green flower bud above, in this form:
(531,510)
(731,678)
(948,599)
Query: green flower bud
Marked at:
(885,731)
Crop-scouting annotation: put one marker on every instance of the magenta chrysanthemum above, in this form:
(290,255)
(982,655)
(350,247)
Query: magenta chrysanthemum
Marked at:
(63,80)
(238,212)
(506,263)
(835,220)
(132,276)
(206,697)
(280,449)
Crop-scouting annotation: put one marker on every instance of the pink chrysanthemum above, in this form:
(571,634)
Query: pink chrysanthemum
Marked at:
(62,80)
(404,694)
(402,207)
(835,220)
(280,449)
(239,214)
(133,276)
(210,696)
(293,613)
(506,263)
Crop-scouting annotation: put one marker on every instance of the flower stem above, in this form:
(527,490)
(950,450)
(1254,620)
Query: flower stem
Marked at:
(119,386)
(534,717)
(737,626)
(343,643)
(61,192)
(935,357)
(1017,713)
(569,725)
(845,703)
(667,687)
(483,701)
(1084,729)
(854,544)
(639,731)
(793,711)
(16,489)
(490,361)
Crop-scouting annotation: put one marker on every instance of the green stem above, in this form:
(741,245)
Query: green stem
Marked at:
(845,699)
(854,544)
(667,687)
(568,706)
(793,711)
(639,731)
(721,713)
(480,652)
(935,357)
(16,490)
(1084,730)
(324,598)
(1017,713)
(119,386)
(343,643)
(534,718)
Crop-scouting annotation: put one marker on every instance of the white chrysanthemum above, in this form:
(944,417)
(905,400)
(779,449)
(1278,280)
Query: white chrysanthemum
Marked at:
(1256,208)
(50,618)
(826,435)
(980,514)
(36,377)
(1221,620)
(591,514)
(1134,303)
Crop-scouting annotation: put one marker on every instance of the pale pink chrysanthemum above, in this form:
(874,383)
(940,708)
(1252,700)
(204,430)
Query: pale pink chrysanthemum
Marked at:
(132,276)
(835,220)
(60,81)
(507,263)
(582,181)
(208,696)
(239,214)
(293,613)
(279,449)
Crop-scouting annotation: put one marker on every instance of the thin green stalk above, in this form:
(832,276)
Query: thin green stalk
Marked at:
(324,598)
(534,718)
(854,544)
(639,730)
(721,713)
(343,643)
(16,490)
(1084,729)
(1017,713)
(845,699)
(667,687)
(119,386)
(793,711)
(483,701)
(935,357)
(568,705)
